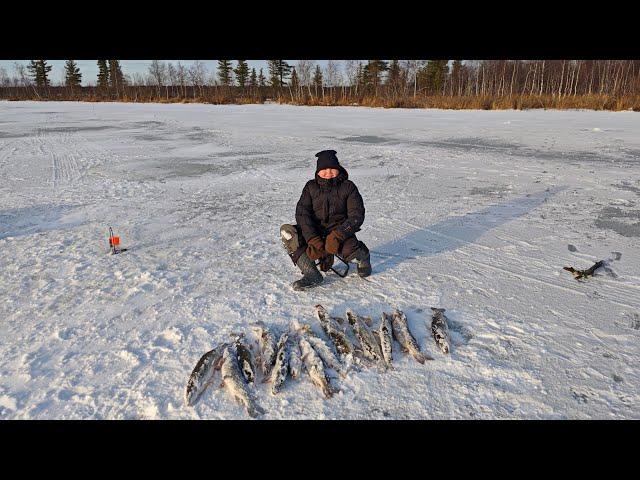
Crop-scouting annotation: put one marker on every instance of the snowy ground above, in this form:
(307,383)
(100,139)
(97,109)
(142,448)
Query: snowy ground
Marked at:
(473,211)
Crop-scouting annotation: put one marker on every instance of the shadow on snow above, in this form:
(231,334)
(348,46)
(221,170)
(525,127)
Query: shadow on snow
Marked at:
(454,232)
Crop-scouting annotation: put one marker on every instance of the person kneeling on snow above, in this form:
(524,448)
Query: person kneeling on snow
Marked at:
(329,213)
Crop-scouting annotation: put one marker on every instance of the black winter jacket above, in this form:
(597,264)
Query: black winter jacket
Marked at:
(326,205)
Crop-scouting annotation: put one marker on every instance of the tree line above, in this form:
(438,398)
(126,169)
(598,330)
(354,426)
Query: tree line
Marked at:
(599,84)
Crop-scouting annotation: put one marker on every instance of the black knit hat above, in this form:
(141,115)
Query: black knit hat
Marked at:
(327,159)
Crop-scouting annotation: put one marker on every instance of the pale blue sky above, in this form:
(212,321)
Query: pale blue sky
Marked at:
(89,68)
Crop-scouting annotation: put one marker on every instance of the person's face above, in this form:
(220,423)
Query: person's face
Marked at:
(328,173)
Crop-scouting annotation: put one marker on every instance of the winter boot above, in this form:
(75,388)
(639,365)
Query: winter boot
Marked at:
(363,260)
(311,275)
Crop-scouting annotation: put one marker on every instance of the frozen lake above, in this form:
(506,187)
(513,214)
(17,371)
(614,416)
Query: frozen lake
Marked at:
(473,211)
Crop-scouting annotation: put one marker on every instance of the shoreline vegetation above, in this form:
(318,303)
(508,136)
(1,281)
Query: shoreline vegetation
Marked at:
(332,97)
(612,85)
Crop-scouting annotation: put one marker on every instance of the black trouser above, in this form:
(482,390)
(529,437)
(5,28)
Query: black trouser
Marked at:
(348,247)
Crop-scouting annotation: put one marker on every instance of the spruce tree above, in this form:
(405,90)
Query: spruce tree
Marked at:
(456,70)
(72,77)
(365,76)
(33,70)
(116,78)
(434,74)
(242,72)
(224,72)
(253,81)
(374,70)
(360,76)
(262,81)
(395,72)
(274,80)
(317,77)
(295,83)
(279,70)
(103,74)
(39,71)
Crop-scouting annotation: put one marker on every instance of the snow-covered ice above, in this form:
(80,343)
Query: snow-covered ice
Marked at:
(473,211)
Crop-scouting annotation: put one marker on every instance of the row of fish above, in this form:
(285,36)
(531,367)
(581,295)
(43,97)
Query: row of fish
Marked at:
(355,343)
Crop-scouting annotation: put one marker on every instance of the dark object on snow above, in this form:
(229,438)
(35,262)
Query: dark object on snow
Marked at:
(245,359)
(329,204)
(326,206)
(363,259)
(202,375)
(580,274)
(311,276)
(405,338)
(327,159)
(295,245)
(440,330)
(114,243)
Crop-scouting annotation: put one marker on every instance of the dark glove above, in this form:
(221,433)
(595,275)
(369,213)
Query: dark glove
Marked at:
(326,263)
(334,240)
(315,248)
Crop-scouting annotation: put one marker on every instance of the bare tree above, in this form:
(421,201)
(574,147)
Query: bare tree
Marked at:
(303,69)
(4,78)
(21,72)
(137,79)
(332,73)
(158,74)
(181,77)
(171,74)
(197,75)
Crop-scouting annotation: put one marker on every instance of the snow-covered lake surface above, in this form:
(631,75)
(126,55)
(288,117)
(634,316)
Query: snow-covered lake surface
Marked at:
(476,212)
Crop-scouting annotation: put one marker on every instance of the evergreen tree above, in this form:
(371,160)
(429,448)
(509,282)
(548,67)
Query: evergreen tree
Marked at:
(279,70)
(224,72)
(456,71)
(373,71)
(262,81)
(103,74)
(242,72)
(253,81)
(274,80)
(433,75)
(39,71)
(33,70)
(395,73)
(360,76)
(72,76)
(116,78)
(295,83)
(317,77)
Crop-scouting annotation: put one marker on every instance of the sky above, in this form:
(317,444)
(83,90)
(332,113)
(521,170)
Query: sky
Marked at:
(89,68)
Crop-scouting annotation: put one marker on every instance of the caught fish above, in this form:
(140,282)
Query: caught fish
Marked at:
(323,350)
(337,335)
(440,330)
(385,338)
(314,367)
(279,370)
(370,347)
(403,335)
(203,372)
(234,382)
(268,347)
(245,358)
(295,362)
